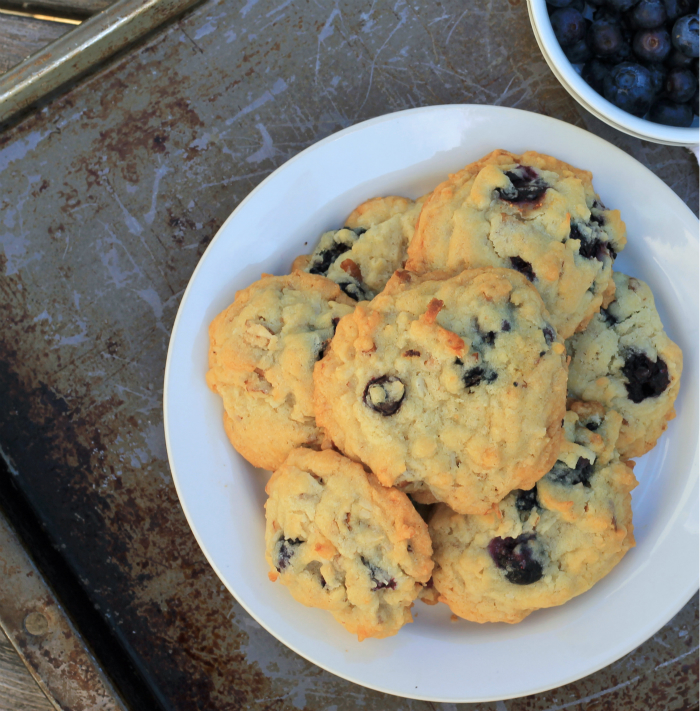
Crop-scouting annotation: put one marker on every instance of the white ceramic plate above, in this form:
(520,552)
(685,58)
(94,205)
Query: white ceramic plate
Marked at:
(408,153)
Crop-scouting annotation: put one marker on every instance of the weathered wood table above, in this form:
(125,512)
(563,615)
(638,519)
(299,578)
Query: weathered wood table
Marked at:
(108,197)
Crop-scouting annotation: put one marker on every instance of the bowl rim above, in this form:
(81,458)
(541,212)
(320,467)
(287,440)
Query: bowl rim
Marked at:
(591,99)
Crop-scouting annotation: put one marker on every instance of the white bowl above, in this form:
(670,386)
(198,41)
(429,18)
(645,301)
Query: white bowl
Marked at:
(435,659)
(591,99)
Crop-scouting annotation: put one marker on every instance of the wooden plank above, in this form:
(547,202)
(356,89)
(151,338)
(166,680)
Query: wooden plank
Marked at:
(22,36)
(18,690)
(61,8)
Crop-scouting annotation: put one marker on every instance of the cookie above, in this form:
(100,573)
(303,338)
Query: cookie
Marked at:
(362,256)
(540,547)
(625,361)
(453,386)
(261,357)
(342,542)
(531,213)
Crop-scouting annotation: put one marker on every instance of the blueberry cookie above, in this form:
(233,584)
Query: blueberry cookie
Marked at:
(261,357)
(540,547)
(341,541)
(531,213)
(450,386)
(362,256)
(625,361)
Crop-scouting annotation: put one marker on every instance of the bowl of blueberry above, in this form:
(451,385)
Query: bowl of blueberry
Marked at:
(632,63)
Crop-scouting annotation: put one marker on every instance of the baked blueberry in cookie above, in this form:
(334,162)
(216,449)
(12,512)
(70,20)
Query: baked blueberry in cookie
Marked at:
(645,378)
(262,352)
(362,255)
(450,388)
(561,473)
(516,558)
(531,213)
(526,185)
(541,547)
(340,541)
(625,361)
(385,394)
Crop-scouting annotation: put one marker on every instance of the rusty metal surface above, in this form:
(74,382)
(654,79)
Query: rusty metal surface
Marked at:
(45,639)
(74,53)
(108,198)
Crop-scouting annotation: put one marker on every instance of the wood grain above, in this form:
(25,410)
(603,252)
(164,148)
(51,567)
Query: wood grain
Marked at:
(18,690)
(22,36)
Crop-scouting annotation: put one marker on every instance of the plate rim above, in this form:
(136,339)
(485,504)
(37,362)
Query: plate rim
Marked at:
(638,639)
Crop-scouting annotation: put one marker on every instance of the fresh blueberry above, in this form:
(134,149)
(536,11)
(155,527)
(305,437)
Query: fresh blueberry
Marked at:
(652,45)
(526,185)
(287,548)
(558,3)
(605,38)
(680,85)
(475,376)
(526,500)
(621,5)
(384,394)
(379,577)
(670,113)
(629,88)
(685,35)
(515,556)
(645,378)
(647,14)
(578,53)
(658,77)
(594,73)
(678,59)
(581,474)
(568,25)
(525,268)
(678,8)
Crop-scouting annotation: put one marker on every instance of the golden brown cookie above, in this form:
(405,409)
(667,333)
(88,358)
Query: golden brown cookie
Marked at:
(261,357)
(625,360)
(342,542)
(453,386)
(531,213)
(362,256)
(541,547)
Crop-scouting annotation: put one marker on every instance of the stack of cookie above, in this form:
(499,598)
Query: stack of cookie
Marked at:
(449,392)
